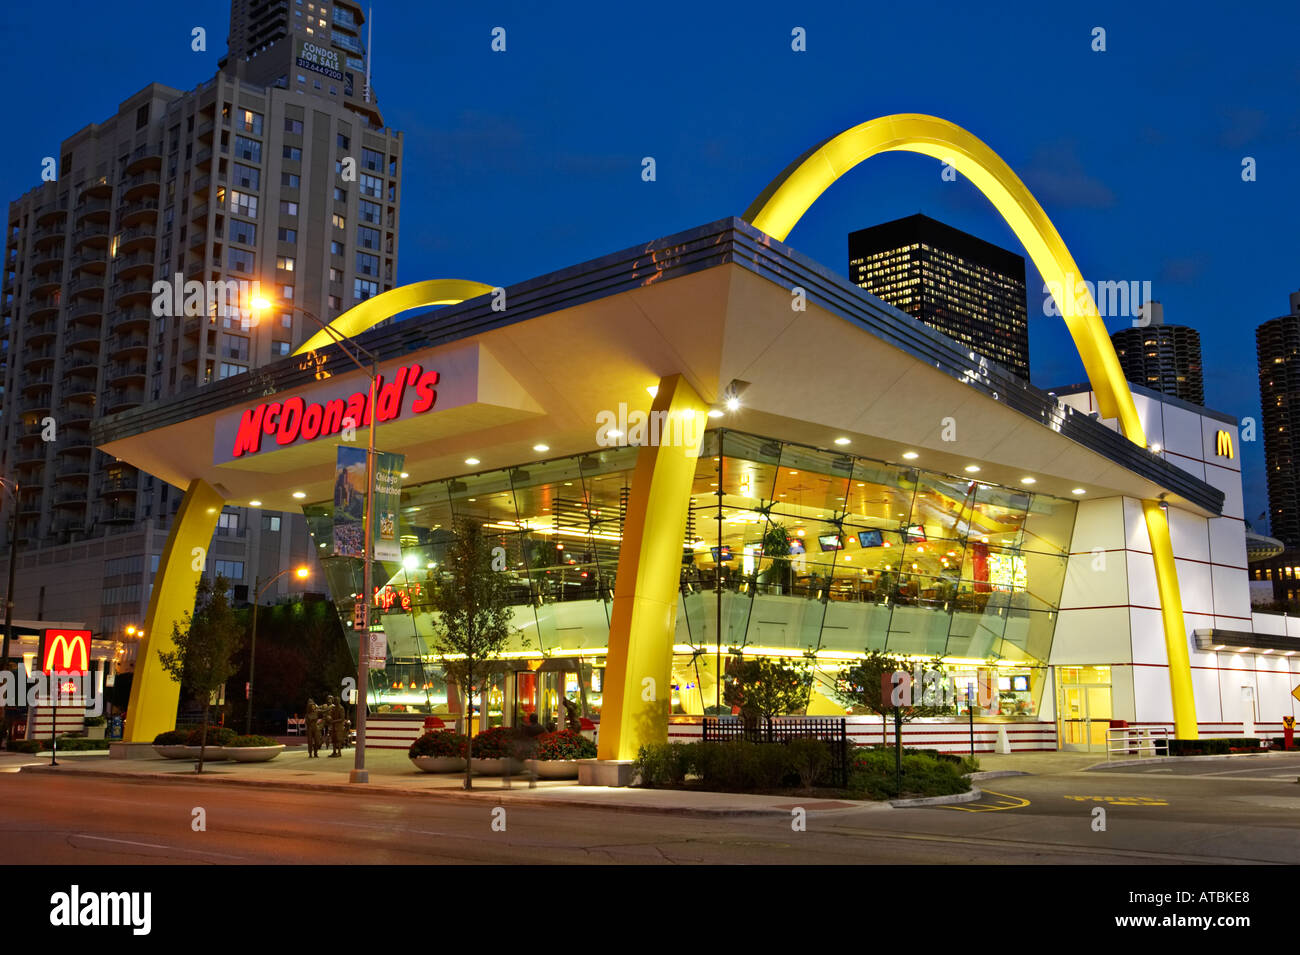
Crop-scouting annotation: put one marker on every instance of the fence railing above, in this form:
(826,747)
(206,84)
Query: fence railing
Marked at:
(1137,741)
(831,730)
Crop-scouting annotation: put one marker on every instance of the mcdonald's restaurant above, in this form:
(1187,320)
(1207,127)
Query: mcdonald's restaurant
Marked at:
(677,467)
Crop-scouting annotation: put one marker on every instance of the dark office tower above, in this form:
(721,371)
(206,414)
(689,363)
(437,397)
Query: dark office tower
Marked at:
(1164,358)
(969,289)
(276,169)
(1277,344)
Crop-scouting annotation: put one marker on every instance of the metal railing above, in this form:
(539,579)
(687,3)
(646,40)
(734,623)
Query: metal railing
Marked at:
(1137,741)
(831,730)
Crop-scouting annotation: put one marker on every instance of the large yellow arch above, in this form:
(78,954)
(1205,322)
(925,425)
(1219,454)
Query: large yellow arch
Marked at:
(789,196)
(393,302)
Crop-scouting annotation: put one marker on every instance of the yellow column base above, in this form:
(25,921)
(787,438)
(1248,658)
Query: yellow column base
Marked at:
(638,673)
(154,694)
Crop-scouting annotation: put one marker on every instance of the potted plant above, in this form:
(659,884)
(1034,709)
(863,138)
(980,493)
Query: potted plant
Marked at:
(218,736)
(95,726)
(558,753)
(439,751)
(494,752)
(171,744)
(776,545)
(251,749)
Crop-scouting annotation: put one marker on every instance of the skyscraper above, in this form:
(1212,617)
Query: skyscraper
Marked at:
(969,289)
(1277,344)
(1164,358)
(277,170)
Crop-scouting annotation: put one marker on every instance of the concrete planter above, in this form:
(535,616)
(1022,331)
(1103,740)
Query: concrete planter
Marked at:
(553,768)
(95,732)
(211,754)
(172,752)
(439,764)
(252,754)
(496,767)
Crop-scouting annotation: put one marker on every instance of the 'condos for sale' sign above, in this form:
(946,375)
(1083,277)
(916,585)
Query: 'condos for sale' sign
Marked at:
(319,59)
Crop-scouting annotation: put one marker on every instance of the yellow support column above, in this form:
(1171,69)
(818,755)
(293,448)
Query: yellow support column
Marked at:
(638,671)
(154,694)
(1171,612)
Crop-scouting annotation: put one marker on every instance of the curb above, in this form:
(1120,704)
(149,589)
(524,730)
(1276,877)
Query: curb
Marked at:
(1152,760)
(975,793)
(997,774)
(500,795)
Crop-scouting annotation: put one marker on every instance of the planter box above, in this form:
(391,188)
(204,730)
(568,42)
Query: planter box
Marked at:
(496,767)
(210,753)
(172,752)
(553,768)
(439,764)
(252,754)
(95,732)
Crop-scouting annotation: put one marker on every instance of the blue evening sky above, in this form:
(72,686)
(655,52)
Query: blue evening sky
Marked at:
(522,162)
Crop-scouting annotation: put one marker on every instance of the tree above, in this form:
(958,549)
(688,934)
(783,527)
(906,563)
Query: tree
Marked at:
(861,686)
(473,602)
(205,643)
(764,687)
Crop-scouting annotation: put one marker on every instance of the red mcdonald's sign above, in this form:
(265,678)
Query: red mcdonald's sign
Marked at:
(67,652)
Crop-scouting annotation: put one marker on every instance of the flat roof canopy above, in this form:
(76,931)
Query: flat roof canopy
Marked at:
(713,304)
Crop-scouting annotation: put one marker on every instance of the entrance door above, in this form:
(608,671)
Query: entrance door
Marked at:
(1084,717)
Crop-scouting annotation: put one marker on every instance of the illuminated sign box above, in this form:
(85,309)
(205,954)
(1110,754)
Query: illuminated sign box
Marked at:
(67,652)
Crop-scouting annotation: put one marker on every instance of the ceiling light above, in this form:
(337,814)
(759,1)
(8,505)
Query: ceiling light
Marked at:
(842,441)
(254,503)
(405,475)
(541,447)
(972,468)
(1156,447)
(715,412)
(1028,480)
(910,455)
(300,494)
(654,391)
(471,461)
(1077,490)
(733,404)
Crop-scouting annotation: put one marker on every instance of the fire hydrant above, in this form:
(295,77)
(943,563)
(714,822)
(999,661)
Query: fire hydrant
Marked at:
(1288,732)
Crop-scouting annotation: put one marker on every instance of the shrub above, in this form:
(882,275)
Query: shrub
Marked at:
(810,759)
(76,744)
(564,744)
(217,736)
(440,743)
(872,775)
(499,742)
(28,746)
(740,765)
(1214,747)
(249,741)
(172,738)
(665,764)
(95,721)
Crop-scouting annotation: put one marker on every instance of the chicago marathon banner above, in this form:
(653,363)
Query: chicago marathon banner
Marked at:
(350,503)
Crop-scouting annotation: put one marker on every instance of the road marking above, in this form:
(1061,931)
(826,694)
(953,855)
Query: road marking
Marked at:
(1122,800)
(153,845)
(1017,802)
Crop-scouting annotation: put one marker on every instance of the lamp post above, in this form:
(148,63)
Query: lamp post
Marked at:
(302,573)
(12,486)
(359,773)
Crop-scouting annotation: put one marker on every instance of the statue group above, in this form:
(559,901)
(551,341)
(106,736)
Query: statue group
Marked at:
(330,719)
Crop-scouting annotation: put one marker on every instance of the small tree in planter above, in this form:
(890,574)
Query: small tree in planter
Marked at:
(776,547)
(202,647)
(451,747)
(474,605)
(764,687)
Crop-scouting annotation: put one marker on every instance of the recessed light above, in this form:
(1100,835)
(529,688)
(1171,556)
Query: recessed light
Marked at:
(473,499)
(471,461)
(254,503)
(715,412)
(1028,480)
(842,441)
(300,494)
(615,433)
(1077,490)
(972,468)
(1156,447)
(405,475)
(910,455)
(541,447)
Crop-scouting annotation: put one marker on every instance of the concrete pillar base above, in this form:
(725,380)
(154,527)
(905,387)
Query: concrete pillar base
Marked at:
(124,750)
(605,772)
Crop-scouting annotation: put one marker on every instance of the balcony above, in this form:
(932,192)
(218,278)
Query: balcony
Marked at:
(198,238)
(29,503)
(44,306)
(93,207)
(81,334)
(88,283)
(49,253)
(126,370)
(46,234)
(87,311)
(136,238)
(118,514)
(77,411)
(42,380)
(80,385)
(199,212)
(37,331)
(28,453)
(96,188)
(49,213)
(142,183)
(131,292)
(70,497)
(130,318)
(134,264)
(125,344)
(73,467)
(70,439)
(91,232)
(91,260)
(39,402)
(147,156)
(203,157)
(137,211)
(35,357)
(79,359)
(119,399)
(200,187)
(122,484)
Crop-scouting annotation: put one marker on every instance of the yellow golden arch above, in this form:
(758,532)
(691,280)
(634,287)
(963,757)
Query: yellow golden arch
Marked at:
(393,302)
(789,196)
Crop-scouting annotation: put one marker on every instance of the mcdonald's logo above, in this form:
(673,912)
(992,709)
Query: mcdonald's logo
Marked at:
(67,651)
(1223,444)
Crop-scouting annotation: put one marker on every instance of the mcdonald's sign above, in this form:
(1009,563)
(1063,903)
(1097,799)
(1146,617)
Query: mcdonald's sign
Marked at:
(66,652)
(1223,444)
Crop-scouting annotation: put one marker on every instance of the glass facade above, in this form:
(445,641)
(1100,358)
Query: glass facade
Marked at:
(788,550)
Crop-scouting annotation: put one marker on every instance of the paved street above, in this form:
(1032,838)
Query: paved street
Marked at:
(1226,811)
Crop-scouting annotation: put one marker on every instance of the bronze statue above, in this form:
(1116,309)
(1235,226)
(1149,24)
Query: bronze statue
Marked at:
(313,729)
(571,716)
(338,726)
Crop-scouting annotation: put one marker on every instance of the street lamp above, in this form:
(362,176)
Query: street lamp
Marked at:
(302,573)
(359,773)
(12,487)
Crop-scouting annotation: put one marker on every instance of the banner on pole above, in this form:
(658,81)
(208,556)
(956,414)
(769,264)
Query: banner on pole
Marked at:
(388,498)
(350,502)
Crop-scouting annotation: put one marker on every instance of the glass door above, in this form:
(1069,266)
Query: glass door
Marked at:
(1084,708)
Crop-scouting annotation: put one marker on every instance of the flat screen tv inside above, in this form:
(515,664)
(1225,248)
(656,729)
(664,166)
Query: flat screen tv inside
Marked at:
(871,538)
(831,542)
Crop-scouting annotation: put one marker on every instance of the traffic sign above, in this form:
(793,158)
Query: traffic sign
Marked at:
(1296,693)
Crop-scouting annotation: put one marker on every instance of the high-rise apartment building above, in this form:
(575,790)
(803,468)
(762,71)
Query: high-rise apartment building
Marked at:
(969,289)
(1164,358)
(278,170)
(1277,344)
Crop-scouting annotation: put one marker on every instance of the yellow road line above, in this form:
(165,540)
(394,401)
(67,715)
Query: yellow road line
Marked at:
(1016,803)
